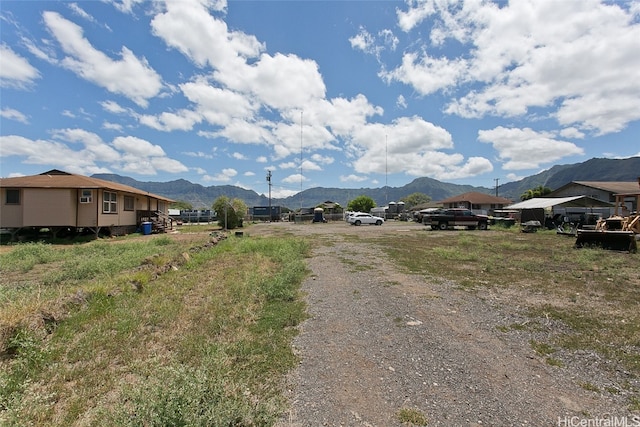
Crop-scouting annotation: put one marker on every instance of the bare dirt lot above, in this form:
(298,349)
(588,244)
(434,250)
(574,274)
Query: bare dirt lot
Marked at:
(384,347)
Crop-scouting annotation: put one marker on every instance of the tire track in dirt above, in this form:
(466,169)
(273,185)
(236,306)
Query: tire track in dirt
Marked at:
(380,340)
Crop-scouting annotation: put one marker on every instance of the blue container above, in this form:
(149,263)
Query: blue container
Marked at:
(146,228)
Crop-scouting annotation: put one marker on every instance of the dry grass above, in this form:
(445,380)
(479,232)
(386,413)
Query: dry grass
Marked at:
(594,293)
(130,342)
(147,344)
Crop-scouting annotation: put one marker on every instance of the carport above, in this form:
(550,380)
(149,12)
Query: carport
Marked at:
(543,208)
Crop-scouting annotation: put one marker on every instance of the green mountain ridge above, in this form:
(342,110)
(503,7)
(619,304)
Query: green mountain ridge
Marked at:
(203,197)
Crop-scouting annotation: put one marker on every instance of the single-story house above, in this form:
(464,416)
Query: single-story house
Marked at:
(543,209)
(601,190)
(477,202)
(57,200)
(331,210)
(330,207)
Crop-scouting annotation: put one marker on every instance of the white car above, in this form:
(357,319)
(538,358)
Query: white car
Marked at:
(348,214)
(364,218)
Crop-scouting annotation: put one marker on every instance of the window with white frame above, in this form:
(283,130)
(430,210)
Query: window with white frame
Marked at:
(109,202)
(129,203)
(86,196)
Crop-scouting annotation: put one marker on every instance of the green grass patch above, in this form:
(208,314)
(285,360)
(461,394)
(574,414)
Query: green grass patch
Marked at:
(514,327)
(355,266)
(412,417)
(590,387)
(205,344)
(552,361)
(543,349)
(634,403)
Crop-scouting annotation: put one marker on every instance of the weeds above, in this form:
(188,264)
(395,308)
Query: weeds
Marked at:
(25,256)
(208,343)
(551,361)
(594,293)
(590,387)
(355,265)
(205,344)
(412,417)
(185,396)
(543,349)
(513,327)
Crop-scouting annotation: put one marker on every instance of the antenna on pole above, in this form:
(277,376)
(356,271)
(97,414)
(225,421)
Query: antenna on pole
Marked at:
(386,168)
(496,180)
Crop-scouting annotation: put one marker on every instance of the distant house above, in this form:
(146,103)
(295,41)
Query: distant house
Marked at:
(331,210)
(477,202)
(331,207)
(557,209)
(601,190)
(58,200)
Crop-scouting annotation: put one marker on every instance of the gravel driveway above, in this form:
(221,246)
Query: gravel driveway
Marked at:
(380,343)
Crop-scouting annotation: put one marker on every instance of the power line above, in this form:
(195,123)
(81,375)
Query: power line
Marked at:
(301,161)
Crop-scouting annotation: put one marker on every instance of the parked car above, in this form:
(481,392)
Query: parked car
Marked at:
(456,217)
(347,214)
(359,218)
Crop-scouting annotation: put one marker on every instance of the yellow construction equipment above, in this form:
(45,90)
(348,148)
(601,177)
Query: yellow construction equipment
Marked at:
(618,232)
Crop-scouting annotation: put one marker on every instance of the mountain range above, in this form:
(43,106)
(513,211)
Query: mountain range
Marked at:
(201,197)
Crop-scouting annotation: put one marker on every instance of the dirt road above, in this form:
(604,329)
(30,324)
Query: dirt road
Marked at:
(383,346)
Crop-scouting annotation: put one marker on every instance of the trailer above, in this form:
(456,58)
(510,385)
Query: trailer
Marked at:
(261,213)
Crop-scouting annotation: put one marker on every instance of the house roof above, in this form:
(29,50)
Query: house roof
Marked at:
(548,202)
(476,198)
(329,204)
(615,187)
(428,205)
(60,179)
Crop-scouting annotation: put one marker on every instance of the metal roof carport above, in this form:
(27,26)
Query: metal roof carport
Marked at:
(534,209)
(566,202)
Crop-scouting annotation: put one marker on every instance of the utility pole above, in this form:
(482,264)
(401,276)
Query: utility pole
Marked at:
(301,128)
(269,182)
(386,169)
(496,180)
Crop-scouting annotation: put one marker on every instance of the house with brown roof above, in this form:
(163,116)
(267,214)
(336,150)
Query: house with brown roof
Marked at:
(57,200)
(477,202)
(608,191)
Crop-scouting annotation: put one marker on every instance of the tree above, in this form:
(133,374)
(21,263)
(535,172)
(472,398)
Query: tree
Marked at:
(182,205)
(230,212)
(361,204)
(539,191)
(415,199)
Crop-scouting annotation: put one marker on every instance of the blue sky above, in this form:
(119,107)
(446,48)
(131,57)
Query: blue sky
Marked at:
(343,94)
